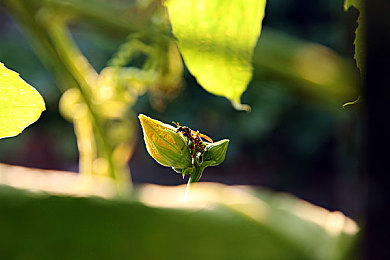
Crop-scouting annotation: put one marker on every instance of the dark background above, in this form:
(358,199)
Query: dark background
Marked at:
(289,142)
(376,91)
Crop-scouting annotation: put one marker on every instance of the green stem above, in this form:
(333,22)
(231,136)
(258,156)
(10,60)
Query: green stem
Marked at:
(194,178)
(54,45)
(81,70)
(122,18)
(40,43)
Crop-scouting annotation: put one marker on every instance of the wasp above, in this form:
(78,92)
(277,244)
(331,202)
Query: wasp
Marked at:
(194,136)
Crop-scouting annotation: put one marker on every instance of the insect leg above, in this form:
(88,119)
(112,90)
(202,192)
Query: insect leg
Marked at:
(188,140)
(193,152)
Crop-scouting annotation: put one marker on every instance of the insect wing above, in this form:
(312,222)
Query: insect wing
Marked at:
(206,137)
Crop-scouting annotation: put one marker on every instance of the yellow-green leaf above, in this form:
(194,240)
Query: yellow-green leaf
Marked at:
(164,144)
(216,39)
(20,104)
(360,32)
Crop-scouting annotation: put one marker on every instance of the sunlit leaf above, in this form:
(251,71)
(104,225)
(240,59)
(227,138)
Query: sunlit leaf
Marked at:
(216,39)
(360,32)
(355,3)
(164,144)
(20,104)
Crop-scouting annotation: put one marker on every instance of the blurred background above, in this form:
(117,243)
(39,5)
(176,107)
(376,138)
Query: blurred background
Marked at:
(298,138)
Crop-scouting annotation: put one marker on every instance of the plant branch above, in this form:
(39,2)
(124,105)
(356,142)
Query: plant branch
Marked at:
(54,46)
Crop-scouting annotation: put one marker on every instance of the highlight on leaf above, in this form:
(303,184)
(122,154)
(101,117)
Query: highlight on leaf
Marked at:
(164,144)
(20,104)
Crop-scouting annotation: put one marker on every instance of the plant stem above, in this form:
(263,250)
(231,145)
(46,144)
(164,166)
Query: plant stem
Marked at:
(56,48)
(86,77)
(194,178)
(121,18)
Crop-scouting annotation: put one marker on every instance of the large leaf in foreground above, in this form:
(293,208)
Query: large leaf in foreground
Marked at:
(20,104)
(215,222)
(216,39)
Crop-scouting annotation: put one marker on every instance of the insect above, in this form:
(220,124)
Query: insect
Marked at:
(194,136)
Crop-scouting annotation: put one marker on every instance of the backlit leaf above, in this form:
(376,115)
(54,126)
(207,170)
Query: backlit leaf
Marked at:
(164,144)
(216,39)
(20,104)
(360,32)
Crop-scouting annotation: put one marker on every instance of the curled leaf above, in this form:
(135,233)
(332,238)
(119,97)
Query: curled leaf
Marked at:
(164,144)
(215,153)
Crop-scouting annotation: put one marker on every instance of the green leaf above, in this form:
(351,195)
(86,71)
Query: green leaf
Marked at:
(20,104)
(217,222)
(215,153)
(360,33)
(217,39)
(355,3)
(164,144)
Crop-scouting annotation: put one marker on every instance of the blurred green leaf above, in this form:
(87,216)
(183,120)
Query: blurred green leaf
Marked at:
(217,222)
(360,32)
(311,69)
(20,104)
(216,39)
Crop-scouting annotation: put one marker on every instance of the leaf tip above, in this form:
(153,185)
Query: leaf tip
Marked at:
(241,107)
(352,103)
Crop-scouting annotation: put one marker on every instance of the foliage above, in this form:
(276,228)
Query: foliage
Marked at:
(171,148)
(99,104)
(166,146)
(216,39)
(308,68)
(238,223)
(360,32)
(20,104)
(218,222)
